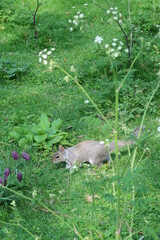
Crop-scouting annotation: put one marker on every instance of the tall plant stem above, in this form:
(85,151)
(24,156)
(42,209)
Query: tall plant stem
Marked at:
(83,90)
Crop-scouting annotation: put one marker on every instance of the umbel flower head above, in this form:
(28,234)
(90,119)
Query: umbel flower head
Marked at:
(6,173)
(19,176)
(25,156)
(15,155)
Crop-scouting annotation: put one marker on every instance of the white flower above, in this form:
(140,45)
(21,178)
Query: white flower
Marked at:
(108,11)
(101,142)
(111,8)
(119,48)
(81,15)
(121,43)
(86,101)
(69,20)
(76,16)
(71,29)
(126,50)
(158,129)
(85,4)
(120,21)
(66,78)
(53,49)
(13,203)
(115,54)
(114,12)
(72,69)
(114,44)
(159,120)
(115,18)
(98,40)
(40,59)
(112,50)
(107,140)
(78,12)
(44,56)
(73,6)
(40,53)
(49,52)
(45,50)
(116,8)
(75,22)
(115,39)
(106,46)
(120,15)
(34,193)
(45,62)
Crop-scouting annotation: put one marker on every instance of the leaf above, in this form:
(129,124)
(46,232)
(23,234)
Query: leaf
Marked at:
(40,138)
(22,142)
(15,135)
(44,123)
(56,124)
(54,140)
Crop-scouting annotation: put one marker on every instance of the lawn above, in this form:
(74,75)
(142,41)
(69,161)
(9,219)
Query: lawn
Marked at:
(62,71)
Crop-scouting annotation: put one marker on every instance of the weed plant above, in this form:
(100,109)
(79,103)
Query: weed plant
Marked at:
(101,90)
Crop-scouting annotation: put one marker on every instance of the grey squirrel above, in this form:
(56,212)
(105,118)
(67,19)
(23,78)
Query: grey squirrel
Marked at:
(90,151)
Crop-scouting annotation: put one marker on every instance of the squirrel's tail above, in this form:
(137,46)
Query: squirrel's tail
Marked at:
(121,144)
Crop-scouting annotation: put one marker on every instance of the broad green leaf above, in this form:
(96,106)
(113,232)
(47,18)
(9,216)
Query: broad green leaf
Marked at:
(54,140)
(22,142)
(15,135)
(52,135)
(29,137)
(40,138)
(44,123)
(56,124)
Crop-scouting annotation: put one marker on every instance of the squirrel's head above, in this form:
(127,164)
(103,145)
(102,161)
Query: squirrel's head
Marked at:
(58,156)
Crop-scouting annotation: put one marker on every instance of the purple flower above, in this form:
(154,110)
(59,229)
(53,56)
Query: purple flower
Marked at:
(5,181)
(1,181)
(6,173)
(15,155)
(19,176)
(25,156)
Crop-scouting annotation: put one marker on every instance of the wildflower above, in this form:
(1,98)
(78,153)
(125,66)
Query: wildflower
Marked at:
(120,15)
(85,4)
(5,181)
(6,173)
(69,20)
(108,11)
(86,101)
(40,59)
(78,13)
(44,56)
(19,176)
(115,18)
(115,39)
(13,203)
(53,49)
(73,6)
(15,155)
(114,44)
(45,50)
(75,22)
(81,15)
(76,16)
(120,21)
(121,43)
(159,120)
(119,48)
(49,52)
(71,29)
(25,156)
(101,142)
(114,12)
(34,193)
(106,46)
(115,54)
(40,53)
(116,8)
(66,78)
(158,129)
(112,50)
(98,40)
(72,69)
(126,50)
(45,62)
(111,8)
(1,181)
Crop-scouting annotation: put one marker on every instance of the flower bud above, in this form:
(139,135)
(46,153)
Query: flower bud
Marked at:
(1,181)
(6,173)
(25,156)
(19,176)
(5,181)
(15,155)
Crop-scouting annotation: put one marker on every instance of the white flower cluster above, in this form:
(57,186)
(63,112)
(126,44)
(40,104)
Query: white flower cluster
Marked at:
(98,39)
(117,16)
(158,129)
(43,55)
(115,48)
(77,19)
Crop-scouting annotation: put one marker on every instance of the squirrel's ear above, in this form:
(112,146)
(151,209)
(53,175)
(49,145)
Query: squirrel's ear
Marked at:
(61,149)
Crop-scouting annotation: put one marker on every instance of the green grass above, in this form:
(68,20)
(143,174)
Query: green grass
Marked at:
(36,90)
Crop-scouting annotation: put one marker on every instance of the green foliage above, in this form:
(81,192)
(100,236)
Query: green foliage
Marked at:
(43,134)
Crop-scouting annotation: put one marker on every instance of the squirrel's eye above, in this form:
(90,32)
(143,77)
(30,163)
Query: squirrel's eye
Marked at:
(57,156)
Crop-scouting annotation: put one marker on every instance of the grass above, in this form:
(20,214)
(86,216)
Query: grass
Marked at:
(82,201)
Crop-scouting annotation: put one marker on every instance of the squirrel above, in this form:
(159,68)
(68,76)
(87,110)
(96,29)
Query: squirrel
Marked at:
(90,151)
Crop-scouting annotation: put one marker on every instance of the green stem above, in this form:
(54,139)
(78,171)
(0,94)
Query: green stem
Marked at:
(83,90)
